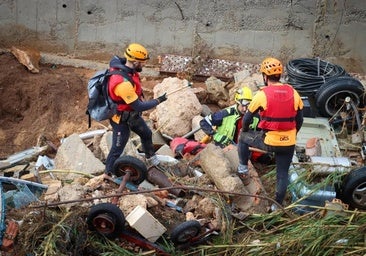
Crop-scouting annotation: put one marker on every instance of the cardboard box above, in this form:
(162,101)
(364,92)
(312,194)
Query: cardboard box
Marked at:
(149,227)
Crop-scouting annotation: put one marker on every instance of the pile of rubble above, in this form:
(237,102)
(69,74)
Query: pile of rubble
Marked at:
(71,175)
(202,187)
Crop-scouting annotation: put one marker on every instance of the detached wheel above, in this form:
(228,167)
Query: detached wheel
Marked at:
(353,190)
(135,166)
(184,232)
(331,96)
(106,219)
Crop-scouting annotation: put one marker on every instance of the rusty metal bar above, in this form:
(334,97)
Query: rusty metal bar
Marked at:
(188,188)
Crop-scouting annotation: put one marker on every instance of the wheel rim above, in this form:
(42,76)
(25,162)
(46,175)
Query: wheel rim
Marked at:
(359,194)
(135,174)
(104,224)
(336,101)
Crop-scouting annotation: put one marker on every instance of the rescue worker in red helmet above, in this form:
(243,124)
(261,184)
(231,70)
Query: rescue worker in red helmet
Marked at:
(128,92)
(280,108)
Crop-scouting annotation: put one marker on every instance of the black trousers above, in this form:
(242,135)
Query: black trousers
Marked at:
(283,157)
(130,121)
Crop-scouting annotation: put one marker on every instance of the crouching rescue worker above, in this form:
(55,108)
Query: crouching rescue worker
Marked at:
(224,125)
(127,91)
(281,117)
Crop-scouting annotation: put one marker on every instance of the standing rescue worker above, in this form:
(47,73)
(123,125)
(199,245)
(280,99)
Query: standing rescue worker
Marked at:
(127,91)
(281,117)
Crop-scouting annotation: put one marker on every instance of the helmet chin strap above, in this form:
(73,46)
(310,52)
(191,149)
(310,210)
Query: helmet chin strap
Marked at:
(265,79)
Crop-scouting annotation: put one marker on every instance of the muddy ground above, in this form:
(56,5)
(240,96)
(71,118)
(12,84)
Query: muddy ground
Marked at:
(49,104)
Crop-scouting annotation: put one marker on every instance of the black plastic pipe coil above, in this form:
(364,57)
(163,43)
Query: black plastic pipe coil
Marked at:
(307,75)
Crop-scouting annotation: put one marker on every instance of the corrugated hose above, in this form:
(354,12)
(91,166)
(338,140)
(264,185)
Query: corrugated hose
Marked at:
(307,75)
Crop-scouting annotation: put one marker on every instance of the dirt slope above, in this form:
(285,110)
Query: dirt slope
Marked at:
(50,103)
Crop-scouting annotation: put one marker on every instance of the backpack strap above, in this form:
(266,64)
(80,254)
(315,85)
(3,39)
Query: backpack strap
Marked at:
(120,72)
(89,120)
(107,74)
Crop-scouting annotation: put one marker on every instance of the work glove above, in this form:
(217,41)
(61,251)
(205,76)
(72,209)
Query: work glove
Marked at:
(211,132)
(162,98)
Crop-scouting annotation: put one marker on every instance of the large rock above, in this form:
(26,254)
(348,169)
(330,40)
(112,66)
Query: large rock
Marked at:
(217,92)
(174,116)
(221,168)
(199,135)
(74,156)
(253,81)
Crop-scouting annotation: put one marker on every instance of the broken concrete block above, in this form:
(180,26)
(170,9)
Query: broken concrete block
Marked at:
(74,155)
(149,227)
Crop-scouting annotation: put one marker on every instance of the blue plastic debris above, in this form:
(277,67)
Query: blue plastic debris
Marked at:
(16,193)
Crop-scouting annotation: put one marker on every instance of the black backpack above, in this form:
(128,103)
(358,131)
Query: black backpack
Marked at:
(101,106)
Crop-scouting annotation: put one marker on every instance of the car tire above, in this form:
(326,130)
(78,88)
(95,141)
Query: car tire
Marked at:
(185,231)
(353,189)
(106,219)
(330,97)
(137,168)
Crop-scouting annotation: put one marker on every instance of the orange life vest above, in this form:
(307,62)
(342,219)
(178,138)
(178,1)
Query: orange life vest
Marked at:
(280,112)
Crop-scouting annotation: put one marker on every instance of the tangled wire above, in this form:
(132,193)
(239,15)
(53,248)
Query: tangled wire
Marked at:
(307,75)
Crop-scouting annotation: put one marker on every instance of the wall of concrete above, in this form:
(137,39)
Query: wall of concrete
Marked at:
(246,31)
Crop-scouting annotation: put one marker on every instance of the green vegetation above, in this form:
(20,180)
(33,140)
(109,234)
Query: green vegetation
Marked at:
(330,230)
